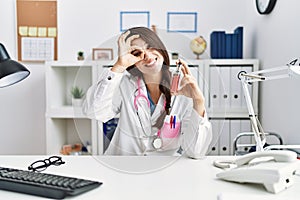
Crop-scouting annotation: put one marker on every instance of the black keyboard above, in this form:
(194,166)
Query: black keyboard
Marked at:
(43,184)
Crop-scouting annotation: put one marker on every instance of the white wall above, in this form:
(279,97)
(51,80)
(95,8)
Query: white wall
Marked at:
(276,42)
(85,24)
(22,106)
(97,24)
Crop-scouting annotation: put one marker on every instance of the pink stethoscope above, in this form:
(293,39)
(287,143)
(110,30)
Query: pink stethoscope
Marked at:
(157,142)
(140,95)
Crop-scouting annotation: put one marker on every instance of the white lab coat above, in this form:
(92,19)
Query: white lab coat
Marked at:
(114,95)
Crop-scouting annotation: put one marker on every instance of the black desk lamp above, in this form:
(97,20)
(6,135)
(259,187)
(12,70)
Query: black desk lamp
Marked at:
(11,71)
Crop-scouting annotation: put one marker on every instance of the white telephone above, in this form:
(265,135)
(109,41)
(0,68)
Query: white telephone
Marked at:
(274,169)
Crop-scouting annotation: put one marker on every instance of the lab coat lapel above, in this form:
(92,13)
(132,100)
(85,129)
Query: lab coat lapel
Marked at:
(158,109)
(143,109)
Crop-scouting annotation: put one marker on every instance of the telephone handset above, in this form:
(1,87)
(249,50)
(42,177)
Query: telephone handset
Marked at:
(276,155)
(274,169)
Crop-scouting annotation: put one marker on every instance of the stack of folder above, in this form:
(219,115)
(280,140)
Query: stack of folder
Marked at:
(227,45)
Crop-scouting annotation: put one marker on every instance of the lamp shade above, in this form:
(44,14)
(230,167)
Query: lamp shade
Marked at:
(11,71)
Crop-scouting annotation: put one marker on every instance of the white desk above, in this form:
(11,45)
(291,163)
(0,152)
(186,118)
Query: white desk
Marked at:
(152,178)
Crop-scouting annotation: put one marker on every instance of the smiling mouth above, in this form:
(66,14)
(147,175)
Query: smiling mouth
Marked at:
(150,64)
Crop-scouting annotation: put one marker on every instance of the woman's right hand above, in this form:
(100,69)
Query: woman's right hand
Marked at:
(127,55)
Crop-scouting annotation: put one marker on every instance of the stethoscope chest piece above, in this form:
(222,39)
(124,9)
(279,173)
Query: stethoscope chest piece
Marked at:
(157,143)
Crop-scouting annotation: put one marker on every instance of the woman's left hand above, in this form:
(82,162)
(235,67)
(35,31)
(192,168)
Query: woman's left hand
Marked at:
(189,88)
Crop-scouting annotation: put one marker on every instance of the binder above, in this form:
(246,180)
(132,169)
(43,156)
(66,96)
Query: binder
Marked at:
(214,87)
(229,45)
(224,141)
(239,31)
(228,41)
(235,129)
(199,70)
(194,70)
(222,44)
(238,126)
(225,87)
(217,44)
(234,47)
(246,127)
(213,45)
(236,93)
(213,149)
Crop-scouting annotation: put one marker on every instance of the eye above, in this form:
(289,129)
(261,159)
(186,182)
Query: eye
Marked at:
(136,52)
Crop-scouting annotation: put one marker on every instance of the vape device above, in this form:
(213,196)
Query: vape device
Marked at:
(175,78)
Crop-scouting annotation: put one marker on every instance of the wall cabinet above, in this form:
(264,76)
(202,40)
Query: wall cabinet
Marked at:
(217,78)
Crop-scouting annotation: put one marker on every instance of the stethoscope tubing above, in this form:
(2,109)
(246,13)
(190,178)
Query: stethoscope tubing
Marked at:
(140,95)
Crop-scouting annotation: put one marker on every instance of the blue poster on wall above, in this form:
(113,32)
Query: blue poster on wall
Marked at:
(182,22)
(130,19)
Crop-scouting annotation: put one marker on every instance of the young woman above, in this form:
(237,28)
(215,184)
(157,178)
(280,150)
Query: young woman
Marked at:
(152,120)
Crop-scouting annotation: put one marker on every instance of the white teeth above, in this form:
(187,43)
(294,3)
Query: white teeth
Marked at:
(151,63)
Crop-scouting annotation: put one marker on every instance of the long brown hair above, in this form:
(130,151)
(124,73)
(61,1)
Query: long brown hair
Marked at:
(153,41)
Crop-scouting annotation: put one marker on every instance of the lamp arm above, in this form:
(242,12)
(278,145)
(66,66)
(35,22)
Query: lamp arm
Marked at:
(264,78)
(258,131)
(256,77)
(275,69)
(248,78)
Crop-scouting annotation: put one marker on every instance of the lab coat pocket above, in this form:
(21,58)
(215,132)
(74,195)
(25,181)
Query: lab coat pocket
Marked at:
(170,136)
(170,132)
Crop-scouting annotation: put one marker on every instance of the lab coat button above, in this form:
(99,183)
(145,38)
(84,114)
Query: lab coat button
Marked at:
(109,78)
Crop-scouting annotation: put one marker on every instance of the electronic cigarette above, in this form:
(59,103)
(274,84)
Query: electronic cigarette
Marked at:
(175,78)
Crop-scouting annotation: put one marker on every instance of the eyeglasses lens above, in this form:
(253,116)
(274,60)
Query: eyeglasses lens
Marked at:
(55,160)
(41,165)
(38,166)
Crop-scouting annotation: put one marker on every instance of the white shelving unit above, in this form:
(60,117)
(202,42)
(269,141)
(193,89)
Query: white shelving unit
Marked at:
(225,102)
(66,124)
(223,73)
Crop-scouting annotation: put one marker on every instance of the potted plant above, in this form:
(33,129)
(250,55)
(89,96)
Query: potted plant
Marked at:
(80,55)
(77,96)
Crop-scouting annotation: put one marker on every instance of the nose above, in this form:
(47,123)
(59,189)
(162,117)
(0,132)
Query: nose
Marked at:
(147,55)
